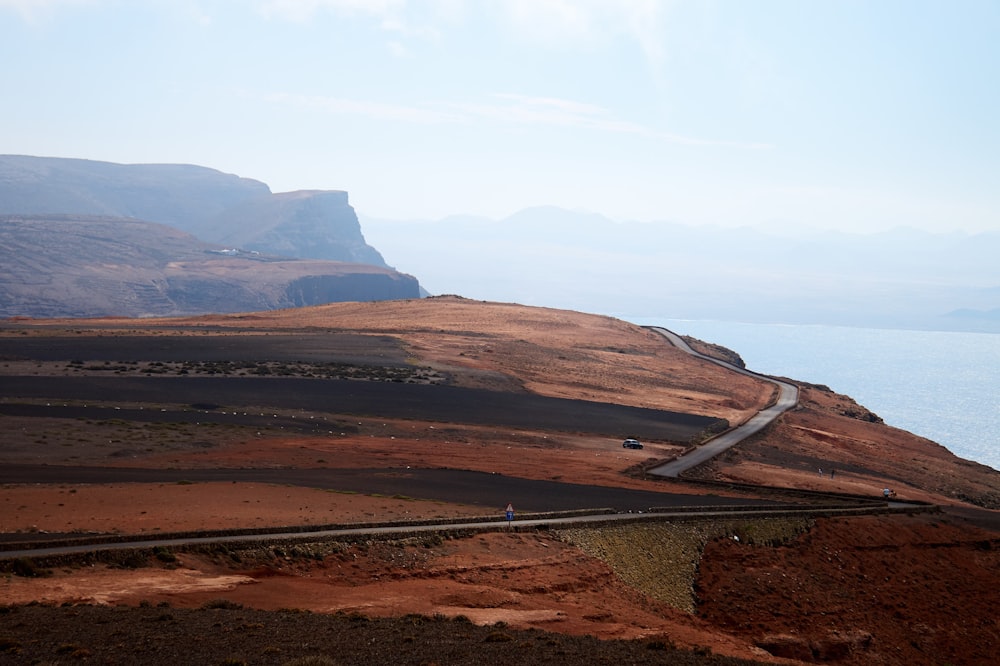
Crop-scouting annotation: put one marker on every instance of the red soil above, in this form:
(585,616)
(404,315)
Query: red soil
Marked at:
(890,590)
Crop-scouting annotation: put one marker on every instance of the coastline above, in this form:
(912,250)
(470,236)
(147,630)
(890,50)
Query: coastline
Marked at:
(934,384)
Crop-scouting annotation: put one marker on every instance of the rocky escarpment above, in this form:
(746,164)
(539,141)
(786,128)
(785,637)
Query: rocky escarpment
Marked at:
(715,351)
(306,224)
(78,266)
(213,206)
(83,238)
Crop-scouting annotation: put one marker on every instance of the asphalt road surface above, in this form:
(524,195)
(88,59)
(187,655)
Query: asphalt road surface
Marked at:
(788,397)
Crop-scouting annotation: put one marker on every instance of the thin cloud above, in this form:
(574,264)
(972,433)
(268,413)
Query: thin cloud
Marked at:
(376,110)
(567,23)
(511,109)
(526,110)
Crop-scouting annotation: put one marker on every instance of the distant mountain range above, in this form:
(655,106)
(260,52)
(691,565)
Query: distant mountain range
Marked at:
(85,238)
(903,278)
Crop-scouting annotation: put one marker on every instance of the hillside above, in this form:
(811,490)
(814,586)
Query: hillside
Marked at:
(82,238)
(79,266)
(888,589)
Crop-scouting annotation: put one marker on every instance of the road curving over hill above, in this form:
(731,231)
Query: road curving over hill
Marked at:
(788,397)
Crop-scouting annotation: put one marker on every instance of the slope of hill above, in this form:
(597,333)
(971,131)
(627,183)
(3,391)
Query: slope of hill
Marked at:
(81,266)
(886,589)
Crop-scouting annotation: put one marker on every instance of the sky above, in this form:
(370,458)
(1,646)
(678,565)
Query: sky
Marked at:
(833,114)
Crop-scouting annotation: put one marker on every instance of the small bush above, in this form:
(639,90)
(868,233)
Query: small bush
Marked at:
(164,555)
(25,567)
(221,604)
(132,560)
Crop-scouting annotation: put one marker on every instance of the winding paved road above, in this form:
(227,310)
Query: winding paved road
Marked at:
(546,495)
(788,397)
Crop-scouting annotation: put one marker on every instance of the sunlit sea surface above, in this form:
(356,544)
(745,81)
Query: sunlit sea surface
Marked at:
(942,386)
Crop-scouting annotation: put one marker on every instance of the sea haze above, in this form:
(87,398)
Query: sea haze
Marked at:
(944,386)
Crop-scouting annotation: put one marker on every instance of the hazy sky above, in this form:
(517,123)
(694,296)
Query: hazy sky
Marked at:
(830,113)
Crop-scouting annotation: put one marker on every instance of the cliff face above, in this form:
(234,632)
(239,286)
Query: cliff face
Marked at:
(84,238)
(211,205)
(79,266)
(305,224)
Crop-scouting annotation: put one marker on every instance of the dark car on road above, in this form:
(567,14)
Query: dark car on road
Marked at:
(631,444)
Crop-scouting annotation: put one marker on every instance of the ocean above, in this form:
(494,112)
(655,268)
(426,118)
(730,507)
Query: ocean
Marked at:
(944,386)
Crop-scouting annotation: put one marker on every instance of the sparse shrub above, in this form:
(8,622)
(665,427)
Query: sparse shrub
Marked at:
(164,555)
(25,567)
(497,637)
(221,604)
(131,560)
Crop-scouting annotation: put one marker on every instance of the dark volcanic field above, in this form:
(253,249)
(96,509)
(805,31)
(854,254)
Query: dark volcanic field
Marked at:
(204,345)
(87,634)
(238,401)
(388,399)
(229,634)
(449,485)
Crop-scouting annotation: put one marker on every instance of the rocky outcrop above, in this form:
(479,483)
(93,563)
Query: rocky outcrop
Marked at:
(82,238)
(306,224)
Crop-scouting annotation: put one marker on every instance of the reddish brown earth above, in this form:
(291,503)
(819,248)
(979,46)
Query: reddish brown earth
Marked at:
(889,589)
(870,590)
